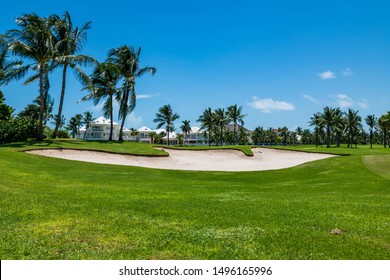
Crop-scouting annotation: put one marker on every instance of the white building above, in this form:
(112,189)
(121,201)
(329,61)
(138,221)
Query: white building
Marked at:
(100,130)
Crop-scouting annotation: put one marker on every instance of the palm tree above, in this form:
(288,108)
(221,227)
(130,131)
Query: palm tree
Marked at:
(34,41)
(68,41)
(221,120)
(353,124)
(384,124)
(165,116)
(371,121)
(207,121)
(316,121)
(9,69)
(234,115)
(328,120)
(103,84)
(72,126)
(87,120)
(339,125)
(186,128)
(127,60)
(153,136)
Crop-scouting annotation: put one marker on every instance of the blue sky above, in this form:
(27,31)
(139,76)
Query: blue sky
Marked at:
(281,60)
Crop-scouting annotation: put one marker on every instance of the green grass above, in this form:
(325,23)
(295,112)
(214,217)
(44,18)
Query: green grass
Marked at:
(59,209)
(245,149)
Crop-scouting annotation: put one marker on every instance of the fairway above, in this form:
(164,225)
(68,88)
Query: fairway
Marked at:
(378,164)
(58,209)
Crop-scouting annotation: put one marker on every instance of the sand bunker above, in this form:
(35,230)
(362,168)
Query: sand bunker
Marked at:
(210,160)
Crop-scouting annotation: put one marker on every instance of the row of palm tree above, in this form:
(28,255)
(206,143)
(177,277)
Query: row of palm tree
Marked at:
(47,43)
(115,79)
(215,122)
(333,124)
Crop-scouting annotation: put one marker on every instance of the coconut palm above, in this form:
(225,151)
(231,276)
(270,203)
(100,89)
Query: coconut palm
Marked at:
(72,126)
(353,124)
(87,120)
(339,125)
(221,120)
(34,41)
(153,136)
(165,116)
(9,69)
(316,121)
(103,85)
(384,124)
(186,128)
(68,40)
(328,120)
(207,122)
(234,115)
(371,121)
(127,60)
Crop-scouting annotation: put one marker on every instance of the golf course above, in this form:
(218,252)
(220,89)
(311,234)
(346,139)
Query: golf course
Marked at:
(334,208)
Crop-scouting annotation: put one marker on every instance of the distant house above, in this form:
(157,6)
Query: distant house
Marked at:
(100,130)
(196,137)
(248,132)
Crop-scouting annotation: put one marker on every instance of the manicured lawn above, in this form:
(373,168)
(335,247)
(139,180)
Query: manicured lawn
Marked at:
(58,209)
(245,149)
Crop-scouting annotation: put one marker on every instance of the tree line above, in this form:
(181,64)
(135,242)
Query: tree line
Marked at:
(40,45)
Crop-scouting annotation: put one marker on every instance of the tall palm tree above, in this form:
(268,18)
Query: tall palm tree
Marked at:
(339,125)
(353,124)
(186,128)
(234,115)
(103,84)
(68,40)
(34,41)
(165,116)
(328,119)
(72,126)
(371,121)
(316,121)
(127,60)
(87,120)
(207,122)
(9,69)
(221,120)
(384,124)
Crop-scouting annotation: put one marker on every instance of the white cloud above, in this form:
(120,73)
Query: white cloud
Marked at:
(346,72)
(133,121)
(97,108)
(268,105)
(327,75)
(311,99)
(146,96)
(344,101)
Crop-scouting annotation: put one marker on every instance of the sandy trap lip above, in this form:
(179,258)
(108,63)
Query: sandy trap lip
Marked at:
(209,160)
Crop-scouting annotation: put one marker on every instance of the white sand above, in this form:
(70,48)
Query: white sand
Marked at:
(212,160)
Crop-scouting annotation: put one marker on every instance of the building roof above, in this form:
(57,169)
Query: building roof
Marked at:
(103,120)
(144,129)
(196,129)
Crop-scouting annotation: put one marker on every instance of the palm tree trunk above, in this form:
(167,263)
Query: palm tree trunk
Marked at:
(371,138)
(234,133)
(58,121)
(42,106)
(112,122)
(328,137)
(124,113)
(168,133)
(121,130)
